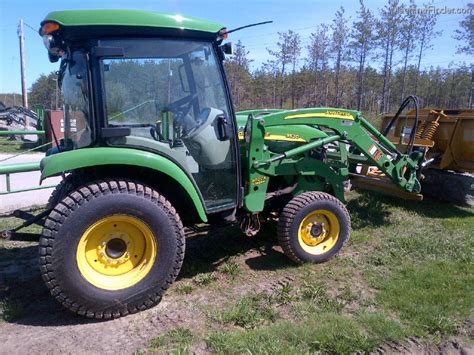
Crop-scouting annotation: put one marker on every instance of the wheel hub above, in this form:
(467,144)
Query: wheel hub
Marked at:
(115,248)
(318,231)
(116,252)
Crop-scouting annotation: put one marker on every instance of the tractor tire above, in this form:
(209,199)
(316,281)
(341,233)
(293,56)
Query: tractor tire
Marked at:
(111,248)
(449,186)
(67,184)
(313,227)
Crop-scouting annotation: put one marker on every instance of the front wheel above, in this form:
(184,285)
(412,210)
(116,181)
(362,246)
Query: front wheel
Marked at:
(313,227)
(111,248)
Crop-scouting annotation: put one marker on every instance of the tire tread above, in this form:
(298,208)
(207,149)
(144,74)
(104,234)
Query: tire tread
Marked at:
(78,197)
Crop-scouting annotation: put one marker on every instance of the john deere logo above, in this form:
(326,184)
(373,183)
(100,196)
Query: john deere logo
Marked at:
(339,114)
(343,115)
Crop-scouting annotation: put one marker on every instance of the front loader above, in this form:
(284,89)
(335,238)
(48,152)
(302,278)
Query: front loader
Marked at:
(152,145)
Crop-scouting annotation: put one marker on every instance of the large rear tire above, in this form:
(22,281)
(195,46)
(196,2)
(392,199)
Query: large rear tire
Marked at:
(111,248)
(313,227)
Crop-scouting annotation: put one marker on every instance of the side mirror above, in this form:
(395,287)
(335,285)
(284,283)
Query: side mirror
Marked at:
(223,128)
(181,79)
(227,48)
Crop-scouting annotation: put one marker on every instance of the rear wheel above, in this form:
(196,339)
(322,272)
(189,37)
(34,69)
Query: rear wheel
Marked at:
(111,248)
(313,227)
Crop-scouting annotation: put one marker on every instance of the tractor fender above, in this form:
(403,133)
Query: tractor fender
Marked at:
(75,159)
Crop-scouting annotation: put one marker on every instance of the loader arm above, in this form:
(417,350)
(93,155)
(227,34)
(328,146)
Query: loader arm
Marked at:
(343,128)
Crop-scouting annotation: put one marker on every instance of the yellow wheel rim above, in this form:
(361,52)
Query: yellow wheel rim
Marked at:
(318,232)
(116,252)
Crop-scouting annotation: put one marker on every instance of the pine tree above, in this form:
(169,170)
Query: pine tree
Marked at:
(339,48)
(362,40)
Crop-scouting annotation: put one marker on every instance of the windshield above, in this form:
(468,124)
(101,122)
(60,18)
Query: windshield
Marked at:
(74,87)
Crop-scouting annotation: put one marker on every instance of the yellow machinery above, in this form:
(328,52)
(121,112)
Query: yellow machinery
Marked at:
(446,137)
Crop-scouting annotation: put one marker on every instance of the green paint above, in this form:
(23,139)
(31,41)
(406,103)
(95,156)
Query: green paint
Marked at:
(263,163)
(131,18)
(76,159)
(22,133)
(19,168)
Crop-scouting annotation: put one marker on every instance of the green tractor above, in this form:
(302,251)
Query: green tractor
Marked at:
(152,145)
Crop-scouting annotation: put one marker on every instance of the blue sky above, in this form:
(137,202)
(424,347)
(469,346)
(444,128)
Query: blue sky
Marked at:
(300,15)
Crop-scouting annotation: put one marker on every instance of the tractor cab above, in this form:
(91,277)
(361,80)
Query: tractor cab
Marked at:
(152,82)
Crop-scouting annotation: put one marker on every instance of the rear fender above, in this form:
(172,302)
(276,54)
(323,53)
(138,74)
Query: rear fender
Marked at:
(89,157)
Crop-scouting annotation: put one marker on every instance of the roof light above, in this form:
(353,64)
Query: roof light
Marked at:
(49,27)
(223,33)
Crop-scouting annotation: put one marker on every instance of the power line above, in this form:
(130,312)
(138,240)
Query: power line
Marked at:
(31,27)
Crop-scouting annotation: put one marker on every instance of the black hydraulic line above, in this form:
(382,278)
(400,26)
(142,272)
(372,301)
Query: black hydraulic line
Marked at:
(397,116)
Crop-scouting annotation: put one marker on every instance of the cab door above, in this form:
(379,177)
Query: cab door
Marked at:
(172,95)
(213,142)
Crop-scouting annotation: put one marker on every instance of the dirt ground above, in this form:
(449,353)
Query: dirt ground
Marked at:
(38,324)
(47,328)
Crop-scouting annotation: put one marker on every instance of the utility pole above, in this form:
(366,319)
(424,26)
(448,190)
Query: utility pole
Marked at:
(22,62)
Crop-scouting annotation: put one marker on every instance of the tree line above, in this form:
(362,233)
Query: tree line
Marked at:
(335,65)
(335,68)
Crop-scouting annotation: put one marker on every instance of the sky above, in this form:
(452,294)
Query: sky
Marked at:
(301,16)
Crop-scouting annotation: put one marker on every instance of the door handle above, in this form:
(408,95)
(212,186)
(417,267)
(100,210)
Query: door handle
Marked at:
(222,128)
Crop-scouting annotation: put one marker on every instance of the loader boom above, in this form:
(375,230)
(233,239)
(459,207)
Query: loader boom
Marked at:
(343,129)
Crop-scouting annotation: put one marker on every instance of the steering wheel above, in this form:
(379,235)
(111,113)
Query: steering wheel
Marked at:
(182,106)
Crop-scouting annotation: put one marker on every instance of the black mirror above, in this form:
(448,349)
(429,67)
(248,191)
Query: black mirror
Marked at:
(223,128)
(227,48)
(181,80)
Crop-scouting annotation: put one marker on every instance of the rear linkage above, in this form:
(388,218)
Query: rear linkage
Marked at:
(29,219)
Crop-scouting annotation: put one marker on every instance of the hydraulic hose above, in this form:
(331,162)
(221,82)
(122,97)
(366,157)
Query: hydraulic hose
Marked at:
(397,116)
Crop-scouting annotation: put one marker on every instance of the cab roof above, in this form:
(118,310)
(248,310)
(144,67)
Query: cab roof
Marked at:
(89,23)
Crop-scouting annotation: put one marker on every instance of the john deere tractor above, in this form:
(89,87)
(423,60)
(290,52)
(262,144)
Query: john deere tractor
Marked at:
(152,145)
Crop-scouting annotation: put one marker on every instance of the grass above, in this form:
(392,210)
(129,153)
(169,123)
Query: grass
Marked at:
(175,341)
(11,310)
(204,279)
(12,147)
(324,332)
(416,261)
(249,311)
(184,289)
(434,298)
(231,269)
(408,270)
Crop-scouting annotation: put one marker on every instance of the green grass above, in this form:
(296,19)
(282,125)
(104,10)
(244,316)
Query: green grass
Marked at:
(415,259)
(231,269)
(433,298)
(249,311)
(184,289)
(175,341)
(13,147)
(204,279)
(408,270)
(11,310)
(325,332)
